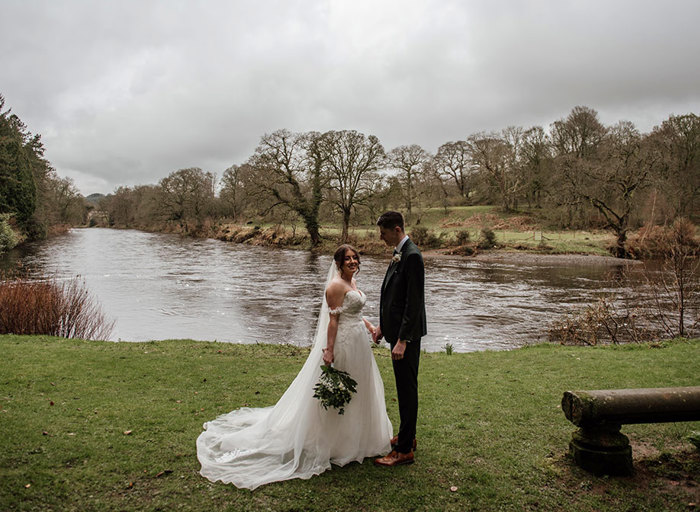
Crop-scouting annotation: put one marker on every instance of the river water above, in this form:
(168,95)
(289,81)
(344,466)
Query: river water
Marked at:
(161,286)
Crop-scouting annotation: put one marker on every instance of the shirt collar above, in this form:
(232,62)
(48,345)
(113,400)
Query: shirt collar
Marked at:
(401,243)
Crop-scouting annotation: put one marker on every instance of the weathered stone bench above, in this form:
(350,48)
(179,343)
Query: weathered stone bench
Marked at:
(598,445)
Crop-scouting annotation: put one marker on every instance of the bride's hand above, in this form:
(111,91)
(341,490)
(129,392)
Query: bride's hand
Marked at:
(327,356)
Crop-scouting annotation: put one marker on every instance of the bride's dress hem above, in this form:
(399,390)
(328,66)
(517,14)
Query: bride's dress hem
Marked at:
(297,438)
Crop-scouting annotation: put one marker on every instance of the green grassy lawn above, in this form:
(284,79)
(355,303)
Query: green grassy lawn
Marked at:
(112,426)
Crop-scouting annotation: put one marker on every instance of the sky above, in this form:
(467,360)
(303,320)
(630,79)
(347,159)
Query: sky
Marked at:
(124,93)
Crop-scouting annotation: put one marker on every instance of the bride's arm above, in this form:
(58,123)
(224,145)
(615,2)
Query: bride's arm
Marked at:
(369,325)
(330,342)
(334,296)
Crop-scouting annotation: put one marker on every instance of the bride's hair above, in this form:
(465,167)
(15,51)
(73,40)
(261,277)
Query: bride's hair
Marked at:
(339,255)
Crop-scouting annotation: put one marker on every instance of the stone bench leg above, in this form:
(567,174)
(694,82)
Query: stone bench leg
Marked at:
(602,450)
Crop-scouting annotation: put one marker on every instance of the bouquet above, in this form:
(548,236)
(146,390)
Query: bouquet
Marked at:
(334,388)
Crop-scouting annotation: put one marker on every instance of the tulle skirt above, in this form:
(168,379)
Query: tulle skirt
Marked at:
(297,437)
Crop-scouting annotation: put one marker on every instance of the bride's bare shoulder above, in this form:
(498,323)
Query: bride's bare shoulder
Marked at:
(335,291)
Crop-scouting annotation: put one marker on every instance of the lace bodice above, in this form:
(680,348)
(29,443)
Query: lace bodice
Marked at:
(351,309)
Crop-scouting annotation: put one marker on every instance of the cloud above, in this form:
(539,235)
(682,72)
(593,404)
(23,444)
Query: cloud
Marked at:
(125,93)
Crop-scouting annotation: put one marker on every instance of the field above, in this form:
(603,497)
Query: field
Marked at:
(112,426)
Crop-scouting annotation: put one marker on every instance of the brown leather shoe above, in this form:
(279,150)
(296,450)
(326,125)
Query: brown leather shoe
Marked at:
(395,440)
(395,459)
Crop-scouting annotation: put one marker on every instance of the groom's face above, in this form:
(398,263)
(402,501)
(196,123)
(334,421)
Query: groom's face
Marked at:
(391,236)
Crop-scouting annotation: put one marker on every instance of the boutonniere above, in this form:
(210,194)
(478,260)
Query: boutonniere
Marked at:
(396,257)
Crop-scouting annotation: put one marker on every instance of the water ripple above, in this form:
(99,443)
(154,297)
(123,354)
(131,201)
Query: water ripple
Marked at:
(159,286)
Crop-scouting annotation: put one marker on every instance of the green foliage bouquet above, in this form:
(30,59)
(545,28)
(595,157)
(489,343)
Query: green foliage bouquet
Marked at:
(334,388)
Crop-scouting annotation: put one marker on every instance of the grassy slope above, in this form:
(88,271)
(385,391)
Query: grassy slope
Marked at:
(490,424)
(515,231)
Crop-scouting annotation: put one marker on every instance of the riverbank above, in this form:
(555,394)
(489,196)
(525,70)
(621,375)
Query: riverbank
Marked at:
(458,231)
(112,426)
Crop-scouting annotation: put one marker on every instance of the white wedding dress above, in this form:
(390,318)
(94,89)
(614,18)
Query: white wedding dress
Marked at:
(297,438)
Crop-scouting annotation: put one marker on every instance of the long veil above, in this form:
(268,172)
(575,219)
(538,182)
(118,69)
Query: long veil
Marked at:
(250,447)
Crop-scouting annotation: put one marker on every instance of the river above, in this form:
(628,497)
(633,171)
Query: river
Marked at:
(161,286)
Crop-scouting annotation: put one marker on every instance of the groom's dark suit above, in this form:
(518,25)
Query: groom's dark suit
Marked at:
(402,317)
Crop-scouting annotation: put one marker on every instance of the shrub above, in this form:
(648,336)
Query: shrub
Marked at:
(487,239)
(52,308)
(462,237)
(669,300)
(662,241)
(424,237)
(602,322)
(8,238)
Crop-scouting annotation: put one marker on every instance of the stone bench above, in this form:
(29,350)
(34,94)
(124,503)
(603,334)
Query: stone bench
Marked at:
(598,445)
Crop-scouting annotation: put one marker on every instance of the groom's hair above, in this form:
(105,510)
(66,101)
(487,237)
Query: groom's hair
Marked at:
(390,220)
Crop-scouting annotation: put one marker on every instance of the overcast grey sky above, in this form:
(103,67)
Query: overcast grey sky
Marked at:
(125,92)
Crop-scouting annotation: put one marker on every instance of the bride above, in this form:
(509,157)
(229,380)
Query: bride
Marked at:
(297,437)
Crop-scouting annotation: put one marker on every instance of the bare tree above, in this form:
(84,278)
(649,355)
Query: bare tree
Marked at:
(580,134)
(576,142)
(409,161)
(352,161)
(678,141)
(611,182)
(453,162)
(290,167)
(186,194)
(234,194)
(496,157)
(536,164)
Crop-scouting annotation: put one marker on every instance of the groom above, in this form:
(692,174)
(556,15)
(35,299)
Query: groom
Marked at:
(402,323)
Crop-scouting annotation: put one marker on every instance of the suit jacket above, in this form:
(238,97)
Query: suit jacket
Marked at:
(402,302)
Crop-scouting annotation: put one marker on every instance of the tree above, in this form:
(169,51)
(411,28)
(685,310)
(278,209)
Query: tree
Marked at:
(290,167)
(576,142)
(453,162)
(187,194)
(65,200)
(611,182)
(536,164)
(409,161)
(120,206)
(18,194)
(579,135)
(496,156)
(678,141)
(352,162)
(235,190)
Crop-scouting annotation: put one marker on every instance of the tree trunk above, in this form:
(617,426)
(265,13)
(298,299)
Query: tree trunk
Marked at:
(620,249)
(312,228)
(346,225)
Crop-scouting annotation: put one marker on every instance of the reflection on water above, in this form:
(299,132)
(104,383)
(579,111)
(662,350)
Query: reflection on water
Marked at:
(159,286)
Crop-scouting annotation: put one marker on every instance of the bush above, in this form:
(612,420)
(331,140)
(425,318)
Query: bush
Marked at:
(51,308)
(8,238)
(488,239)
(425,238)
(462,237)
(662,241)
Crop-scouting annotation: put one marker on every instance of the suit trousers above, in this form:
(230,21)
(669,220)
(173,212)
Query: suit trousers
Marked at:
(406,376)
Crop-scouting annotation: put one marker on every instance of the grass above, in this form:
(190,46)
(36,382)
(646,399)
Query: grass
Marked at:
(514,231)
(112,426)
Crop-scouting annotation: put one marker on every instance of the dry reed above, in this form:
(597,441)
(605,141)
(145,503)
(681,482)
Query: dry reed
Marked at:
(50,307)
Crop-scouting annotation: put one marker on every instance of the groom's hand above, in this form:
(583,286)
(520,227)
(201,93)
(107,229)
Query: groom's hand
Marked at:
(398,350)
(377,334)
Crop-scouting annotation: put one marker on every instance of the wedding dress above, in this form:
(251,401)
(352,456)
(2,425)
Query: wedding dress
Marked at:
(297,437)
